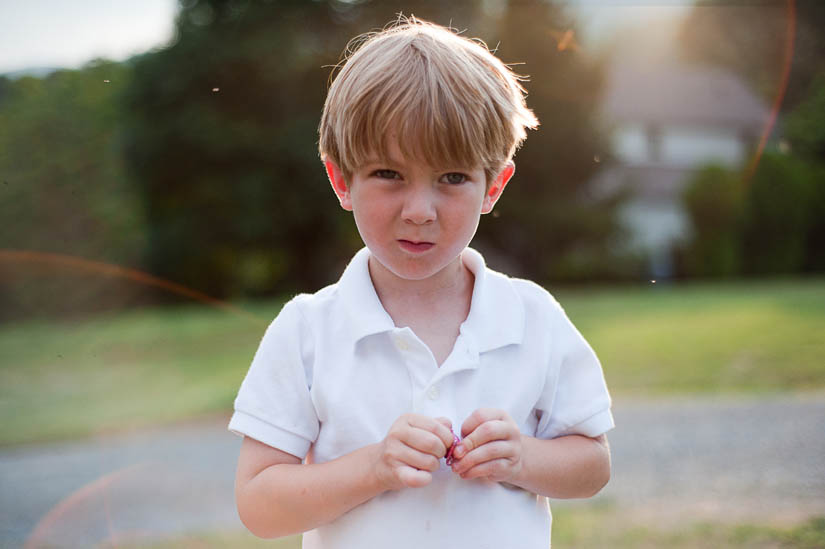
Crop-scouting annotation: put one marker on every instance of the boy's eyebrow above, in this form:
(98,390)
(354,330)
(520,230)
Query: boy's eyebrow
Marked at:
(386,161)
(403,162)
(394,163)
(390,162)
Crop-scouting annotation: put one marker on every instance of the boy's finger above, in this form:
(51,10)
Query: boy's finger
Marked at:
(498,449)
(412,477)
(425,441)
(495,468)
(469,442)
(445,434)
(427,423)
(484,433)
(423,461)
(478,417)
(439,426)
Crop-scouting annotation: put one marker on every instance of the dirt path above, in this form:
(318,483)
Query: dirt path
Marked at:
(709,458)
(719,459)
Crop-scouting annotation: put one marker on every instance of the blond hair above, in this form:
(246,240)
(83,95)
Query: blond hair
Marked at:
(448,101)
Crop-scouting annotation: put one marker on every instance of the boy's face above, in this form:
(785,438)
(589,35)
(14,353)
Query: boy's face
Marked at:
(414,219)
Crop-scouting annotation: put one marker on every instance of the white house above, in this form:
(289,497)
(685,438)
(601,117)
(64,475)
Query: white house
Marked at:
(668,120)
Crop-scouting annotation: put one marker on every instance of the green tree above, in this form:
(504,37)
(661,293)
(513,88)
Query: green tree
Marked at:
(805,130)
(757,226)
(63,187)
(805,125)
(782,200)
(750,38)
(223,140)
(550,223)
(714,201)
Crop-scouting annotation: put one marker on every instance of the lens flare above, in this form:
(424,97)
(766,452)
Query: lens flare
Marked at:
(790,37)
(108,269)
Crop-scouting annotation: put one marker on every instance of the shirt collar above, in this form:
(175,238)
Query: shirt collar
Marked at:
(496,315)
(365,314)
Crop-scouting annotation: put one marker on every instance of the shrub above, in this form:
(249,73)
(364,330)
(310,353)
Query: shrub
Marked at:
(778,213)
(714,202)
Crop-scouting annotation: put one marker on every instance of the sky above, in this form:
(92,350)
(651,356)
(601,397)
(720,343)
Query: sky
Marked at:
(599,19)
(69,33)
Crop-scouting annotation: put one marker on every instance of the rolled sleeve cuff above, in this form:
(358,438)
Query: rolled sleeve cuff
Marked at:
(593,426)
(244,424)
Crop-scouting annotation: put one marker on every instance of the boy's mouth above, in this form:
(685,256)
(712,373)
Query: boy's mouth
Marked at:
(415,246)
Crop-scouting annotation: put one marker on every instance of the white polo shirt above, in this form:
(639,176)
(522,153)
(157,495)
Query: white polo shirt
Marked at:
(333,373)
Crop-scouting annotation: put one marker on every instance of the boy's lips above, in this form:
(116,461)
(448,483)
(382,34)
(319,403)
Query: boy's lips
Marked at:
(415,246)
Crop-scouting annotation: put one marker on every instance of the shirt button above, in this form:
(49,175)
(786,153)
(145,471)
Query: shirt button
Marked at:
(402,344)
(433,392)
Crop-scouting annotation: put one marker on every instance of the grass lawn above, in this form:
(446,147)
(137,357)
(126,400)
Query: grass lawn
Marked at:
(590,527)
(595,526)
(69,379)
(752,336)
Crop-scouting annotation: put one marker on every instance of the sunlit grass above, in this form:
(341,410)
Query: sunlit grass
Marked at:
(585,527)
(595,526)
(217,540)
(733,337)
(136,368)
(67,379)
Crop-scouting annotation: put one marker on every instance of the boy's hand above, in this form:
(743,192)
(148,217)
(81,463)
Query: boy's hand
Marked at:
(490,447)
(411,451)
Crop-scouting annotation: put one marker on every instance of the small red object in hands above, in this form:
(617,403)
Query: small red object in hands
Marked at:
(449,457)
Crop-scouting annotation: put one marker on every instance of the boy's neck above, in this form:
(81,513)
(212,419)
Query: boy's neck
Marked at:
(433,308)
(455,281)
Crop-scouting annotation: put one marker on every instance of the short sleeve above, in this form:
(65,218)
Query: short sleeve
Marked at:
(273,404)
(575,398)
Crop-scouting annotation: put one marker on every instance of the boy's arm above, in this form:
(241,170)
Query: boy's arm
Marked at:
(277,495)
(573,466)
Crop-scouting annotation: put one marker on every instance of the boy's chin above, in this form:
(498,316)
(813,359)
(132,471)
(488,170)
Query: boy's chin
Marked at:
(412,268)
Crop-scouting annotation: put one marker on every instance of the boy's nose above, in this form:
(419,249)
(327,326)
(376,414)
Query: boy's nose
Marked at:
(419,206)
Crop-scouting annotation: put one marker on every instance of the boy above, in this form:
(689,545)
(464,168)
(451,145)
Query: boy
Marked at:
(348,406)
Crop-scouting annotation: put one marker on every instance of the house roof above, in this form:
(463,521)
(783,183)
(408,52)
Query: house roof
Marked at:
(682,94)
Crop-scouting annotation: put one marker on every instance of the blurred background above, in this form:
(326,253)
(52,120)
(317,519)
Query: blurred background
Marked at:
(162,196)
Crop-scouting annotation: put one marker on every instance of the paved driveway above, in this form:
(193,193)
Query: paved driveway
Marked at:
(752,459)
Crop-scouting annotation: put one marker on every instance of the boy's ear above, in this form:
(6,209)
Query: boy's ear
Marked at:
(339,185)
(497,187)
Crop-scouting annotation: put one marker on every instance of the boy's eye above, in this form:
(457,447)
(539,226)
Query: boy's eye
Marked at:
(453,178)
(386,174)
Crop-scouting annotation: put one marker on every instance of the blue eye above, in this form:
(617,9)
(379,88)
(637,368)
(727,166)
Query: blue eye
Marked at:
(386,174)
(454,178)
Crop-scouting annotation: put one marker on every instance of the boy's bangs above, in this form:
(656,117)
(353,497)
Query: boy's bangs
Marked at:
(424,133)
